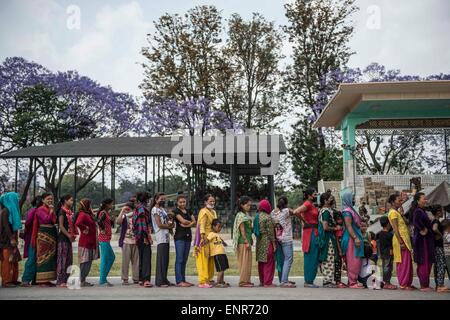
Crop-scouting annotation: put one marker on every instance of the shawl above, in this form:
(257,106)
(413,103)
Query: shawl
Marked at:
(10,201)
(240,218)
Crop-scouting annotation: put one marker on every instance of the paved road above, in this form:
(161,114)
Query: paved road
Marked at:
(137,293)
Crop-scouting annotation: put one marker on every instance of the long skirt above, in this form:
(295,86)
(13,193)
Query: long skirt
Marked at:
(329,265)
(29,272)
(205,266)
(46,254)
(266,269)
(311,260)
(244,257)
(64,261)
(10,270)
(424,269)
(405,269)
(353,263)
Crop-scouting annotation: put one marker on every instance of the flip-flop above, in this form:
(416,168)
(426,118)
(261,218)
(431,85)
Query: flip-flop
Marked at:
(147,284)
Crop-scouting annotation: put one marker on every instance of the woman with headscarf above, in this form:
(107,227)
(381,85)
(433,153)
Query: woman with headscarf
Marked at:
(352,240)
(88,247)
(29,272)
(10,224)
(44,240)
(243,241)
(203,261)
(423,241)
(309,214)
(266,245)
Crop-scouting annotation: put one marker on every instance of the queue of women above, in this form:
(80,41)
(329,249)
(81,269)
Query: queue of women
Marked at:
(332,241)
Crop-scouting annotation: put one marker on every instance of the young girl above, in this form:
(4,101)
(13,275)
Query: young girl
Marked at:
(130,252)
(184,220)
(339,262)
(142,235)
(282,217)
(440,265)
(217,251)
(107,255)
(162,227)
(243,241)
(366,268)
(88,249)
(67,235)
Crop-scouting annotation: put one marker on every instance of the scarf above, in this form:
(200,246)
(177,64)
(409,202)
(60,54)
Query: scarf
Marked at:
(10,201)
(198,236)
(69,215)
(240,218)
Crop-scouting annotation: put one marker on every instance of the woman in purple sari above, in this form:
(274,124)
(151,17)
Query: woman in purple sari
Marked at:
(423,241)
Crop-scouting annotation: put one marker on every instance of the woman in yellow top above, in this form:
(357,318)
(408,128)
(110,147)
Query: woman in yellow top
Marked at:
(401,243)
(204,262)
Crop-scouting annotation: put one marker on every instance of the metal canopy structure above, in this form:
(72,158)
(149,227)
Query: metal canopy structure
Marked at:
(387,108)
(245,157)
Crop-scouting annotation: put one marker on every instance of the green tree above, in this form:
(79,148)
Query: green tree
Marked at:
(320,32)
(305,151)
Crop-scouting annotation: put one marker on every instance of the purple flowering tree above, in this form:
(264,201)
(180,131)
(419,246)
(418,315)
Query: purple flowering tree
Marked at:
(38,107)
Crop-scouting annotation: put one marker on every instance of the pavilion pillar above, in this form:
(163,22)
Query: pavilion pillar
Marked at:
(103,177)
(446,143)
(145,175)
(153,173)
(159,174)
(16,188)
(113,178)
(271,184)
(75,180)
(59,177)
(34,177)
(349,140)
(233,185)
(164,175)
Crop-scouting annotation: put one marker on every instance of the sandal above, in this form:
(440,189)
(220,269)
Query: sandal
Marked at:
(342,285)
(147,284)
(205,286)
(246,285)
(330,285)
(356,286)
(26,285)
(442,289)
(390,287)
(287,285)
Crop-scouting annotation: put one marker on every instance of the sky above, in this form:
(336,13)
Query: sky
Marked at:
(103,39)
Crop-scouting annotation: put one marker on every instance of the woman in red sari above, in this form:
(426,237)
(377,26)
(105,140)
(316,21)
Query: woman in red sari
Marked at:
(309,214)
(44,241)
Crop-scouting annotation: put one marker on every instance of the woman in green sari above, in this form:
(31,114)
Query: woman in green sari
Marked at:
(243,241)
(327,239)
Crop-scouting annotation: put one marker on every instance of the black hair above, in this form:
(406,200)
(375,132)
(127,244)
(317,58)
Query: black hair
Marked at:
(142,196)
(130,204)
(207,196)
(243,200)
(309,192)
(384,221)
(325,197)
(104,203)
(101,220)
(337,215)
(393,197)
(445,223)
(435,209)
(36,200)
(372,235)
(414,205)
(215,222)
(155,198)
(282,202)
(43,196)
(61,202)
(181,196)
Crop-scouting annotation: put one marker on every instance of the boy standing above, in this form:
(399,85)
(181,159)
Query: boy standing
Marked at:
(217,251)
(386,252)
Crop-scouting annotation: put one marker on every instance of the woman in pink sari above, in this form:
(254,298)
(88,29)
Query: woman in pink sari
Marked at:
(352,240)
